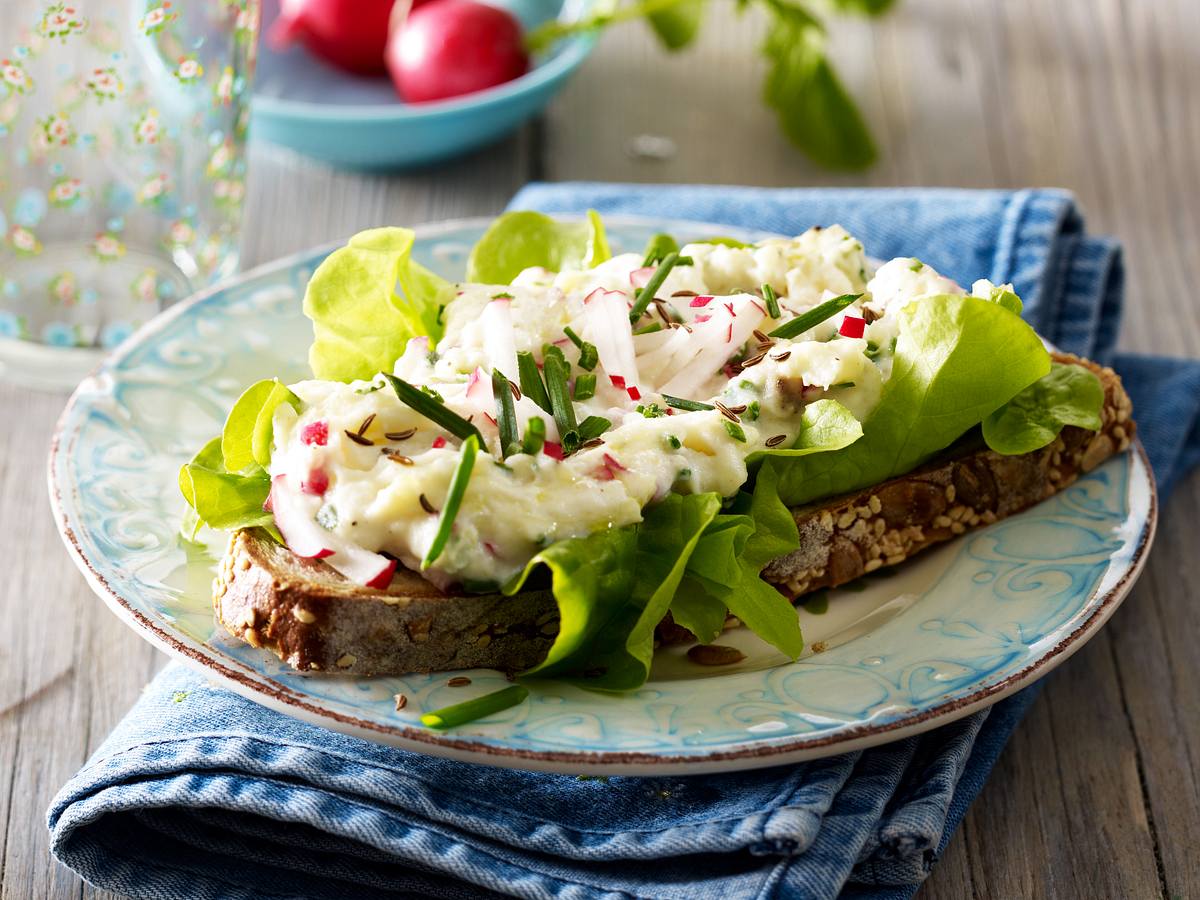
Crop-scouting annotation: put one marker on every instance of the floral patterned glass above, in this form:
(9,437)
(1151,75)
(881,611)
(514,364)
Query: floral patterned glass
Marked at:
(122,168)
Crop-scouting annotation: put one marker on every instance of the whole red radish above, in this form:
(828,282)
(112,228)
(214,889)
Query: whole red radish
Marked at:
(447,48)
(351,34)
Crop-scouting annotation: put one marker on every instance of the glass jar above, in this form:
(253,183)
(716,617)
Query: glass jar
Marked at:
(122,169)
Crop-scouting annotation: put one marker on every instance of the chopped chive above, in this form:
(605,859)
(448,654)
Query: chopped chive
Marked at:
(592,427)
(673,442)
(646,294)
(549,350)
(689,405)
(843,384)
(585,386)
(650,329)
(454,498)
(773,309)
(753,411)
(433,409)
(535,436)
(735,430)
(588,356)
(503,295)
(506,413)
(657,249)
(555,370)
(470,710)
(531,380)
(814,316)
(685,261)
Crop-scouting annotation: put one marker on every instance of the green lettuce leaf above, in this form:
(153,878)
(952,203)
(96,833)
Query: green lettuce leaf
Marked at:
(221,499)
(825,425)
(613,587)
(814,109)
(723,574)
(677,25)
(957,359)
(726,569)
(1069,395)
(698,611)
(521,239)
(246,437)
(360,322)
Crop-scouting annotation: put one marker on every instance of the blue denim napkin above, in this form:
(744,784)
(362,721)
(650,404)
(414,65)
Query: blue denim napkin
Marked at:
(201,794)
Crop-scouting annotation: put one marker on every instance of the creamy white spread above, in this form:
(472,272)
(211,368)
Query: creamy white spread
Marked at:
(383,493)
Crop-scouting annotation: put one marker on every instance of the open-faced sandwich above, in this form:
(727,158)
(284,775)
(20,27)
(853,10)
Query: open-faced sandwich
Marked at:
(572,456)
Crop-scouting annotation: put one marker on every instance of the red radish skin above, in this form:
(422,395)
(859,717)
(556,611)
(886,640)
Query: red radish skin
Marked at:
(350,34)
(384,578)
(852,327)
(315,433)
(439,442)
(449,48)
(317,483)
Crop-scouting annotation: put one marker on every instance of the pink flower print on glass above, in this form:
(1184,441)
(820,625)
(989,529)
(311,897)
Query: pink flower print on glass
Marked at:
(189,70)
(105,84)
(14,77)
(65,192)
(61,21)
(157,17)
(24,241)
(146,127)
(152,190)
(221,159)
(145,286)
(223,90)
(64,288)
(107,247)
(180,234)
(57,131)
(228,191)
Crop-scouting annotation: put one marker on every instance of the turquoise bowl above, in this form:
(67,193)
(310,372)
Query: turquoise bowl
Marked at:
(360,123)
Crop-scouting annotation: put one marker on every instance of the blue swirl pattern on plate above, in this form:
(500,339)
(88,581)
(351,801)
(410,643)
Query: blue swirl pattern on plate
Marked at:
(954,630)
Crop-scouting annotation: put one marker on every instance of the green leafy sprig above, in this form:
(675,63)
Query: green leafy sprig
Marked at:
(815,111)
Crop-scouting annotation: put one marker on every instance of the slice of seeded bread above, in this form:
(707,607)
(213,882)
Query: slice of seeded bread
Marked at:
(314,619)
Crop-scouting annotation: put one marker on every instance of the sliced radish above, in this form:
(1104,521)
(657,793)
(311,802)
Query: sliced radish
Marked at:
(552,450)
(712,343)
(315,433)
(317,483)
(295,520)
(384,578)
(700,301)
(439,442)
(606,324)
(497,324)
(639,278)
(300,530)
(852,327)
(362,566)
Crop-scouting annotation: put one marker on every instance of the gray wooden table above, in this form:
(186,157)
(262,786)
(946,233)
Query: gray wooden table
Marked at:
(1096,795)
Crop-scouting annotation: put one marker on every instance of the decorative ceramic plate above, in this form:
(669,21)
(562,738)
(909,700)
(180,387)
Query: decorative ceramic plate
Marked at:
(948,633)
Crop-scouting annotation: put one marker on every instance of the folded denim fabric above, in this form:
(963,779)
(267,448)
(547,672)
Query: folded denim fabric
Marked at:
(201,794)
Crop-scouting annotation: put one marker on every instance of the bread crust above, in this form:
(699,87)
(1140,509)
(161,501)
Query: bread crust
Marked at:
(315,620)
